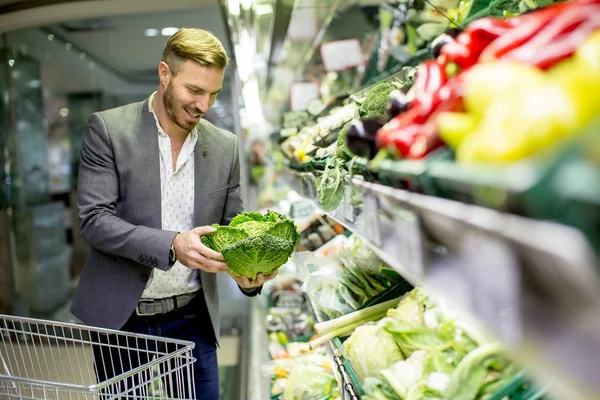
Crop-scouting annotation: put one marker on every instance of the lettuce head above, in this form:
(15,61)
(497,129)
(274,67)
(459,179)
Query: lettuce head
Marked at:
(370,350)
(254,243)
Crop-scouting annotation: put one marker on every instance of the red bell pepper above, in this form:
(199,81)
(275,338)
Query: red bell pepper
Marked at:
(431,76)
(469,45)
(401,141)
(413,134)
(385,133)
(426,140)
(559,38)
(528,39)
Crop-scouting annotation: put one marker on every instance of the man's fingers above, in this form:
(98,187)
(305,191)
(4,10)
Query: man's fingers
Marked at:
(242,281)
(209,253)
(203,230)
(214,265)
(198,261)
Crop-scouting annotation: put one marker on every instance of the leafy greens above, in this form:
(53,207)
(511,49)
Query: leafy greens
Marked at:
(254,243)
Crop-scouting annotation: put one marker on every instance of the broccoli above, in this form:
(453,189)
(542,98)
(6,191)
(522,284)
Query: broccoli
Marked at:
(375,105)
(341,150)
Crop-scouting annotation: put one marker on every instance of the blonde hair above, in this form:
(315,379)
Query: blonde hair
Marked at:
(197,45)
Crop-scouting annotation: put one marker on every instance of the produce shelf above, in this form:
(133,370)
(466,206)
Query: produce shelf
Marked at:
(345,382)
(517,278)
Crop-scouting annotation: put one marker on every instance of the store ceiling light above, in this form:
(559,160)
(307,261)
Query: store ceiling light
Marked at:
(68,46)
(64,112)
(50,37)
(11,62)
(152,32)
(171,30)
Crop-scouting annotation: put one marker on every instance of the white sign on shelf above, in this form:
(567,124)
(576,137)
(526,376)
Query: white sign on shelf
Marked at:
(370,226)
(339,55)
(302,209)
(302,93)
(347,207)
(409,248)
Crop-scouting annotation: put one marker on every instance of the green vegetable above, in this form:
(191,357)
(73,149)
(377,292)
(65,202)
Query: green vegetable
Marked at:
(309,382)
(370,350)
(471,372)
(254,243)
(344,330)
(341,150)
(330,185)
(375,104)
(404,374)
(356,316)
(377,389)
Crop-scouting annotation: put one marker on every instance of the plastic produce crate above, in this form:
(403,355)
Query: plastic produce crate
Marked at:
(412,175)
(518,388)
(395,291)
(516,188)
(571,194)
(561,183)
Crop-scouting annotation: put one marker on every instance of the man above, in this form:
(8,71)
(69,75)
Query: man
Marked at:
(153,177)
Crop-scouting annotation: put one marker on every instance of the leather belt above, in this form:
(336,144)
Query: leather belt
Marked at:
(149,307)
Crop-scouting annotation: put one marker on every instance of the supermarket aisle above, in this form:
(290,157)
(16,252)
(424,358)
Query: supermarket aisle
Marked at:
(229,366)
(234,308)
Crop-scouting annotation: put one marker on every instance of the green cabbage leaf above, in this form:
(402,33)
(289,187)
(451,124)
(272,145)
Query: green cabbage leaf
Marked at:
(254,243)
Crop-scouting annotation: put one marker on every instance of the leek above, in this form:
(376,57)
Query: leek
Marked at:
(343,330)
(354,317)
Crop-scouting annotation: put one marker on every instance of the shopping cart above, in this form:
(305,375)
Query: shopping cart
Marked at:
(46,360)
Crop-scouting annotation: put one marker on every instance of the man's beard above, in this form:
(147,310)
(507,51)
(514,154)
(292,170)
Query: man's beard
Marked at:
(172,109)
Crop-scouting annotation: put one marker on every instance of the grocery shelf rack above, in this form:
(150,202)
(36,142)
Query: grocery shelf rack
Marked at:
(347,389)
(531,284)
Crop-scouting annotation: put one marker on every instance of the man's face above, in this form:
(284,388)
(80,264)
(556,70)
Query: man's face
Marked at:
(191,92)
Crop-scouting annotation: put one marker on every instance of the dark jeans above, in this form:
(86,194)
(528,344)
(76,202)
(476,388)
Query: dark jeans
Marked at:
(115,355)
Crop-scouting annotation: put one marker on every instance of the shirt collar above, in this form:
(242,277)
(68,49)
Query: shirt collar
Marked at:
(194,131)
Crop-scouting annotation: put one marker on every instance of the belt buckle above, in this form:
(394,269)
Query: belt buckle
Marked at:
(141,314)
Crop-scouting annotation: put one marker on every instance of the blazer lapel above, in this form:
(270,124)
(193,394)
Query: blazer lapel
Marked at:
(148,141)
(201,165)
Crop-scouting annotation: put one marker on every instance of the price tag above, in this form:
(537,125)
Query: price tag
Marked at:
(408,240)
(370,227)
(302,93)
(302,209)
(339,55)
(347,207)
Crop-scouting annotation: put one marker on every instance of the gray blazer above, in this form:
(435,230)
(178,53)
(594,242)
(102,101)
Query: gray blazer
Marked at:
(119,203)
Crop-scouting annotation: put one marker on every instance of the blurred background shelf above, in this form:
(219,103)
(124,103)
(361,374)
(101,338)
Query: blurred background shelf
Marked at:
(517,278)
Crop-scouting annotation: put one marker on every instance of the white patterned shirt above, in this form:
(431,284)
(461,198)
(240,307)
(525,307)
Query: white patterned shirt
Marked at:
(177,209)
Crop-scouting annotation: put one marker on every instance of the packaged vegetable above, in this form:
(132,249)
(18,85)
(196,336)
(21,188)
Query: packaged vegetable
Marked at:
(309,382)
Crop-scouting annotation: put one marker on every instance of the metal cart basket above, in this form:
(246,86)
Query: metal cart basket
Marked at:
(53,361)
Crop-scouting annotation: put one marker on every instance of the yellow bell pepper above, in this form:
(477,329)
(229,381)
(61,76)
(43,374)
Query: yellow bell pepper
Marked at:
(515,127)
(579,77)
(486,83)
(454,127)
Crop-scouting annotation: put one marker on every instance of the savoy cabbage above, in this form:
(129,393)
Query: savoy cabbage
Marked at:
(254,243)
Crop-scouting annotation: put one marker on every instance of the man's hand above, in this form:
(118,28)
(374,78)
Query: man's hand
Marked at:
(191,252)
(246,283)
